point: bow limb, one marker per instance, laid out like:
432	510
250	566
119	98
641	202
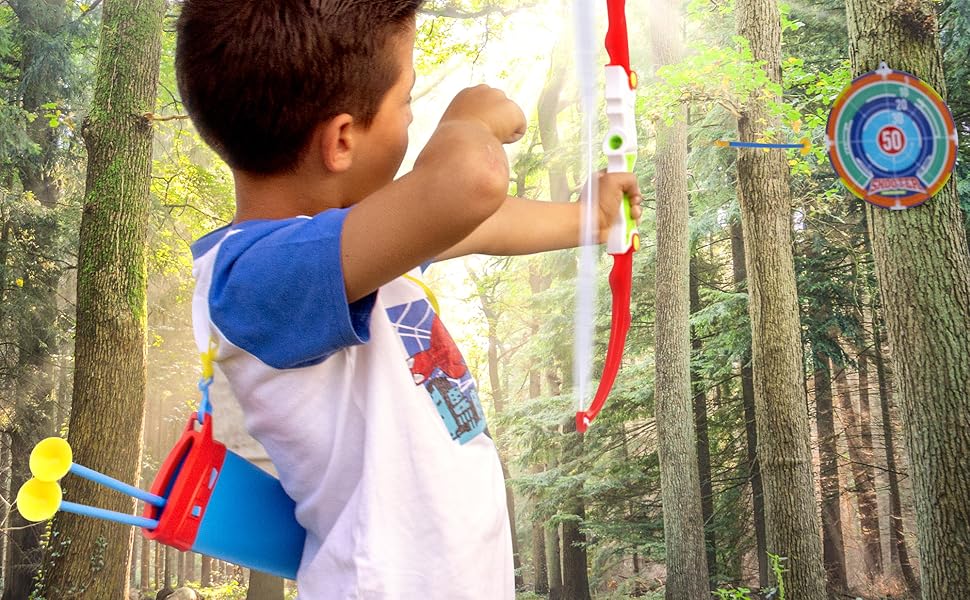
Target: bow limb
621	278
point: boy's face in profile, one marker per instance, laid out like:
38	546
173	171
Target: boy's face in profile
383	145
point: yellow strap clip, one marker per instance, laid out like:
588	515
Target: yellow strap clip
208	358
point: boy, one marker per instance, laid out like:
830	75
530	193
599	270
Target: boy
329	342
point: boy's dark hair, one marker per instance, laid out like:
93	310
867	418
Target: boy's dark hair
257	76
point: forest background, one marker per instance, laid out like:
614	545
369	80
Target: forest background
589	512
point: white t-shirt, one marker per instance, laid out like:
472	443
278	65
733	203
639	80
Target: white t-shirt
367	411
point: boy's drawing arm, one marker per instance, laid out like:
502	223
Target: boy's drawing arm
522	226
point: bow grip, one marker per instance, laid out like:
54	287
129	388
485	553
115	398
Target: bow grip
620	148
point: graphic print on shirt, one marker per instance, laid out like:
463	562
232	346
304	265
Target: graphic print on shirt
436	363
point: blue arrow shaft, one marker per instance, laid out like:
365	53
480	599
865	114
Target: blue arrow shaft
111	482
108	515
762	145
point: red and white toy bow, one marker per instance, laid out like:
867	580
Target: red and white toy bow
620	148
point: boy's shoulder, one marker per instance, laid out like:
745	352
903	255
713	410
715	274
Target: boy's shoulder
277	235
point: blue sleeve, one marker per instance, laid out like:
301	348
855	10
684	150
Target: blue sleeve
278	291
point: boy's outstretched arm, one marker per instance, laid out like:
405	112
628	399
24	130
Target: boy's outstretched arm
459	180
522	226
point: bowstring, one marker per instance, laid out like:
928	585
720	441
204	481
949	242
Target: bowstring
585	45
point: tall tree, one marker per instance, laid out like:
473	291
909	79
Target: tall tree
833	546
44	63
263	586
898	548
686	557
739	277
88	559
860	465
703	438
783	430
923	267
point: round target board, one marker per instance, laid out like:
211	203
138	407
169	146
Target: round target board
891	139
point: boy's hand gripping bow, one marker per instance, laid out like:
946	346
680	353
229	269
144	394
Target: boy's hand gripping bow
620	148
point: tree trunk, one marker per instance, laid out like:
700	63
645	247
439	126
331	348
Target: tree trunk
870	521
264	587
540	572
676	439
157	569
783	429
898	548
750	421
575	579
553	535
703	439
923	267
146	563
109	382
833	546
170	557
554	562
205	577
865	486
540	584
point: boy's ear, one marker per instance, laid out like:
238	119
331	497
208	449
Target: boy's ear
335	140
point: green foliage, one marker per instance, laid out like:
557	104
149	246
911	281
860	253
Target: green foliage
776	564
709	76
233	590
776	592
740	593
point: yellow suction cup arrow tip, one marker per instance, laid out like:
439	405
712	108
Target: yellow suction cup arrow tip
806	146
51	459
38	500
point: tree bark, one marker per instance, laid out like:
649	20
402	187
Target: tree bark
264	587
575	578
750	422
833	546
157	568
146	563
540	579
783	429
923	267
170	557
870	521
686	556
205	577
554	562
703	440
865	486
898	548
109	383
